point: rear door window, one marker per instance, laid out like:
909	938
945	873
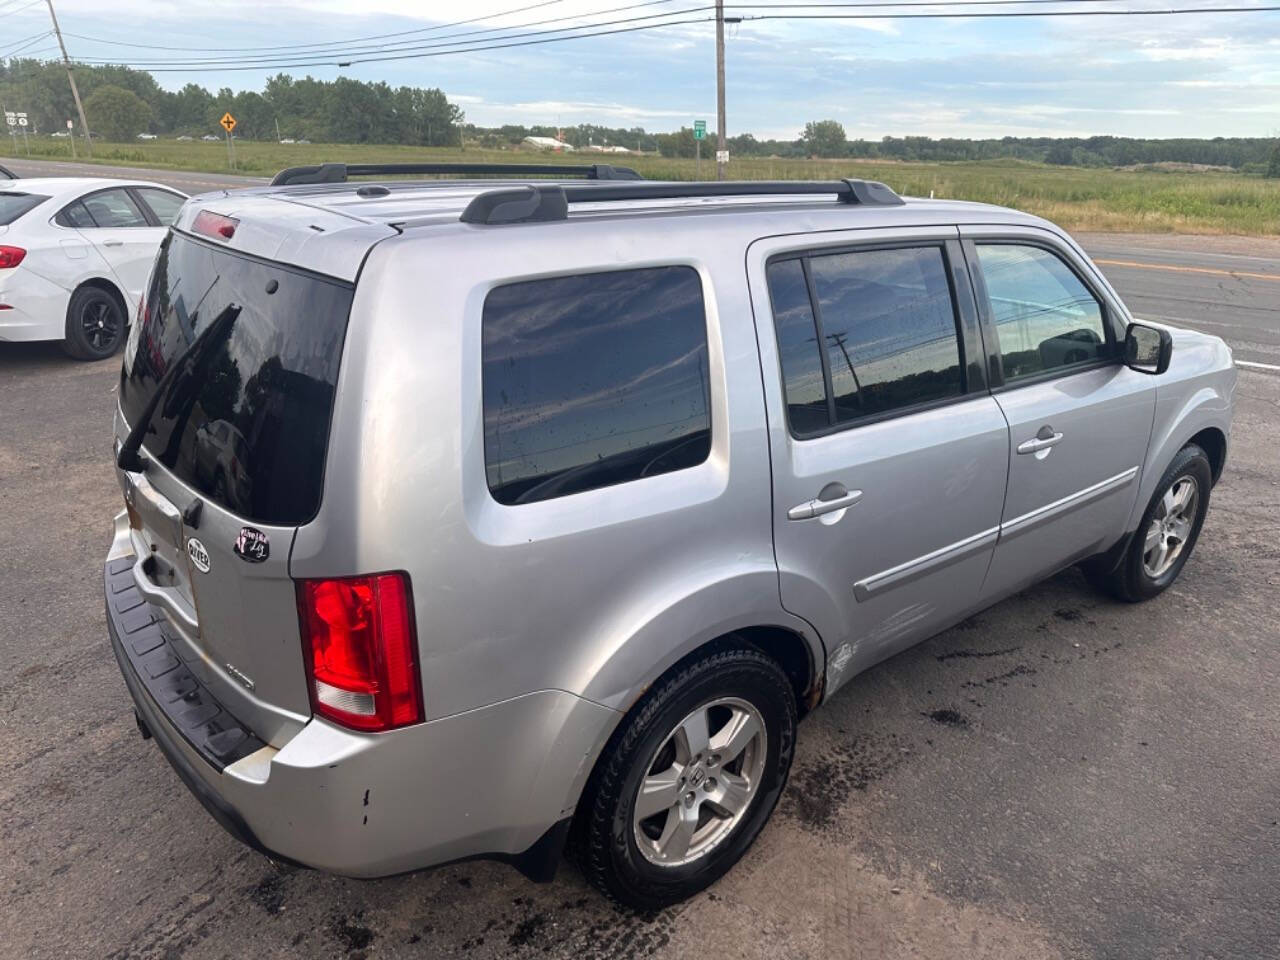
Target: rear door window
871	332
1045	317
593	380
74	215
115	209
14	205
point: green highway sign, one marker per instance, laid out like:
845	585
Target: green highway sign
699	129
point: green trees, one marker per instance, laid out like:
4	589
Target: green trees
824	138
1273	165
117	113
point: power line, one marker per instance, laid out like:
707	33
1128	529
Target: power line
442	26
288	60
1164	12
444	53
12	11
23	43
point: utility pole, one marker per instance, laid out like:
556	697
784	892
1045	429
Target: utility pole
75	92
720	147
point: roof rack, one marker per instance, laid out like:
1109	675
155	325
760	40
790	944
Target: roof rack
341	172
534	202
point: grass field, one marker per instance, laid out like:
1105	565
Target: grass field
1077	198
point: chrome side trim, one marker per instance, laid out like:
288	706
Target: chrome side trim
1052	511
922	566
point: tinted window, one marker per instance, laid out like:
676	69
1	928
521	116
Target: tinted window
889	329
163	204
14	205
593	380
114	208
248	377
798	347
75	216
1045	316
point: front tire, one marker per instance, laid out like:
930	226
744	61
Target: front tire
96	324
688	780
1167	534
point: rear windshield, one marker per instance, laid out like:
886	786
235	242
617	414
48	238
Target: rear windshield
14	205
255	347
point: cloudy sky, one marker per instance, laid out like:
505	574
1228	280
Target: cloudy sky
1200	75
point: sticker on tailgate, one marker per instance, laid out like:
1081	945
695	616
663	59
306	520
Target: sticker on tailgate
252	545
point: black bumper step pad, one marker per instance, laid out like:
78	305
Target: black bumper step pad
148	646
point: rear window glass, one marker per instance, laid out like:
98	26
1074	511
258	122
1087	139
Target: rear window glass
14	205
246	354
593	380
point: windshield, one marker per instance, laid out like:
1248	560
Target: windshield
13	205
251	350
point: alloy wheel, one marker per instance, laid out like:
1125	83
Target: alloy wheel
700	782
1170	527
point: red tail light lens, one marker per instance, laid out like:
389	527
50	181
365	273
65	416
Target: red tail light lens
210	224
11	256
361	649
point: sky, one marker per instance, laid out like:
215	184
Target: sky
1201	75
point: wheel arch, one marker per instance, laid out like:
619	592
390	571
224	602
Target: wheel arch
109	287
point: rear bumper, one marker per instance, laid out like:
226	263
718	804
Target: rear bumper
37	307
499	782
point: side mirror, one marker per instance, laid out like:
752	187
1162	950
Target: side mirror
1147	349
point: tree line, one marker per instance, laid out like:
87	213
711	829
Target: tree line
122	102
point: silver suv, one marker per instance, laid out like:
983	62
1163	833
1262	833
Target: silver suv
545	509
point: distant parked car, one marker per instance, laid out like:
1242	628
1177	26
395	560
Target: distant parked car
146	136
210	136
74	258
62	134
304	140
288	140
184	138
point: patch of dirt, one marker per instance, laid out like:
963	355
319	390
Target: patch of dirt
819	788
949	718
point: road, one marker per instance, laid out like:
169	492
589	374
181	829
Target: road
1226	286
1059	777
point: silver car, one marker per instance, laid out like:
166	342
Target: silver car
563	501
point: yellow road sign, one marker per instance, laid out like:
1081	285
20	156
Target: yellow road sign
228	122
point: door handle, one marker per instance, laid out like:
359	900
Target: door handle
819	506
113	243
1042	441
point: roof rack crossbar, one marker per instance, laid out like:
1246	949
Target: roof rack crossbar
341	172
550	201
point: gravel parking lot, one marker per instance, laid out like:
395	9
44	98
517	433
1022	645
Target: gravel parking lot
1060	776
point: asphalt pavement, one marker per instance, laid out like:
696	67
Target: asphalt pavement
1060	776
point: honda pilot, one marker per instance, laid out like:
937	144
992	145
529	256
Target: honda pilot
499	517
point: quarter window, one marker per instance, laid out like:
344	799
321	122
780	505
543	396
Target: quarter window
163	204
886	322
1045	317
593	380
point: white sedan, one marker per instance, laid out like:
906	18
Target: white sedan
75	254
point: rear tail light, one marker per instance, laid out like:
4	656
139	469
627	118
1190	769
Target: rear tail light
360	645
210	224
11	256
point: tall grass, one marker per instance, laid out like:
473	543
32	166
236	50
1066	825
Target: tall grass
1075	197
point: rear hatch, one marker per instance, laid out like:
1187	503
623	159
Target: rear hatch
235	358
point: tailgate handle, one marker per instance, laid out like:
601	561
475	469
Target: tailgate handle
166	597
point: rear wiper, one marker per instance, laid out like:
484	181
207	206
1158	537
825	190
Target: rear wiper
186	362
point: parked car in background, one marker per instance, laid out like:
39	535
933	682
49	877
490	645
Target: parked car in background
75	253
210	137
563	502
60	134
146	136
184	138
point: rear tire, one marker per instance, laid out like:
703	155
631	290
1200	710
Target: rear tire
1166	535
720	799
96	324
